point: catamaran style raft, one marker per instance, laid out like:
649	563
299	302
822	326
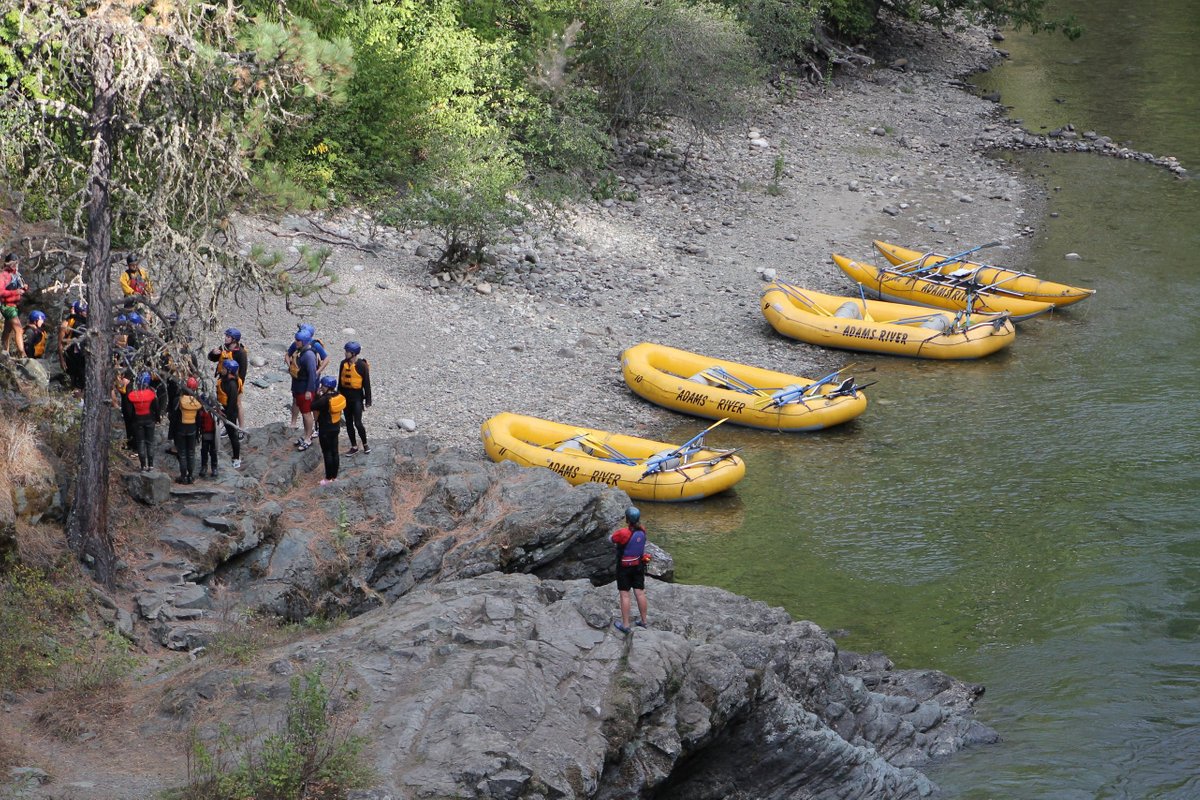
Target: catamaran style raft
986	275
750	396
934	290
643	469
876	326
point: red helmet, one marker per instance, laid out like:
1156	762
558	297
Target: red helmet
193	384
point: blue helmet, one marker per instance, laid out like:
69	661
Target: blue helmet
230	365
234	333
135	318
303	337
79	307
329	382
632	515
353	347
37	316
307	328
144	379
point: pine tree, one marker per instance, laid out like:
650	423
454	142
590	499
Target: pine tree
135	124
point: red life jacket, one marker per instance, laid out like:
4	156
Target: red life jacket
142	400
207	424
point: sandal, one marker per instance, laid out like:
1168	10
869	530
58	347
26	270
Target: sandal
617	624
300	448
641	623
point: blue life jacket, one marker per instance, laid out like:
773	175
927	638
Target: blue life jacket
631	554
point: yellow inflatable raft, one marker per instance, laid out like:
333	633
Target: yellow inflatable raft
643	469
757	398
984	275
876	326
937	291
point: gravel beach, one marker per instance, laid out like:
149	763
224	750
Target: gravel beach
678	257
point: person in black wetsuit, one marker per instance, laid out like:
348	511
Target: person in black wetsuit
354	383
328	406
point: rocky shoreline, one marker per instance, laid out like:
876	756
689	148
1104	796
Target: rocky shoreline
479	658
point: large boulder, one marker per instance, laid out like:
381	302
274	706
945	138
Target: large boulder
413	514
514	687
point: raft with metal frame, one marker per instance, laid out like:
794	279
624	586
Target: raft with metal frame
985	275
935	290
877	326
642	468
745	395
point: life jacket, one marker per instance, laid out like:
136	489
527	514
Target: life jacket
142	400
137	281
222	397
351	377
631	552
228	353
73	321
11	288
35	342
189	407
294	367
205	420
337	404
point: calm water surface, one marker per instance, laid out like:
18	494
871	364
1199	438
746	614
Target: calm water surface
1030	522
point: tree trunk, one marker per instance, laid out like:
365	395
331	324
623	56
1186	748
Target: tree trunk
87	527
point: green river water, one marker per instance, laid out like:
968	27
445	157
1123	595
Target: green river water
1031	521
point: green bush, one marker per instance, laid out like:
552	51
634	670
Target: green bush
854	20
782	29
311	755
35	617
468	197
690	61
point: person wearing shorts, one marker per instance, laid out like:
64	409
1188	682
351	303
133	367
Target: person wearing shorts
303	368
631	568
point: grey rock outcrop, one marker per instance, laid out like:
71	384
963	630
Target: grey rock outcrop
481	653
409	514
508	686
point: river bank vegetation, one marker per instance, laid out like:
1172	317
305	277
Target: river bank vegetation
461	113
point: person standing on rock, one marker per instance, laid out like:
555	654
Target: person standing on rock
135	283
631	567
36	335
72	347
145	417
303	367
354	383
328	405
12	289
207	427
233	348
229	389
186	430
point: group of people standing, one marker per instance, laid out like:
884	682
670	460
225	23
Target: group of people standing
157	377
321	402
